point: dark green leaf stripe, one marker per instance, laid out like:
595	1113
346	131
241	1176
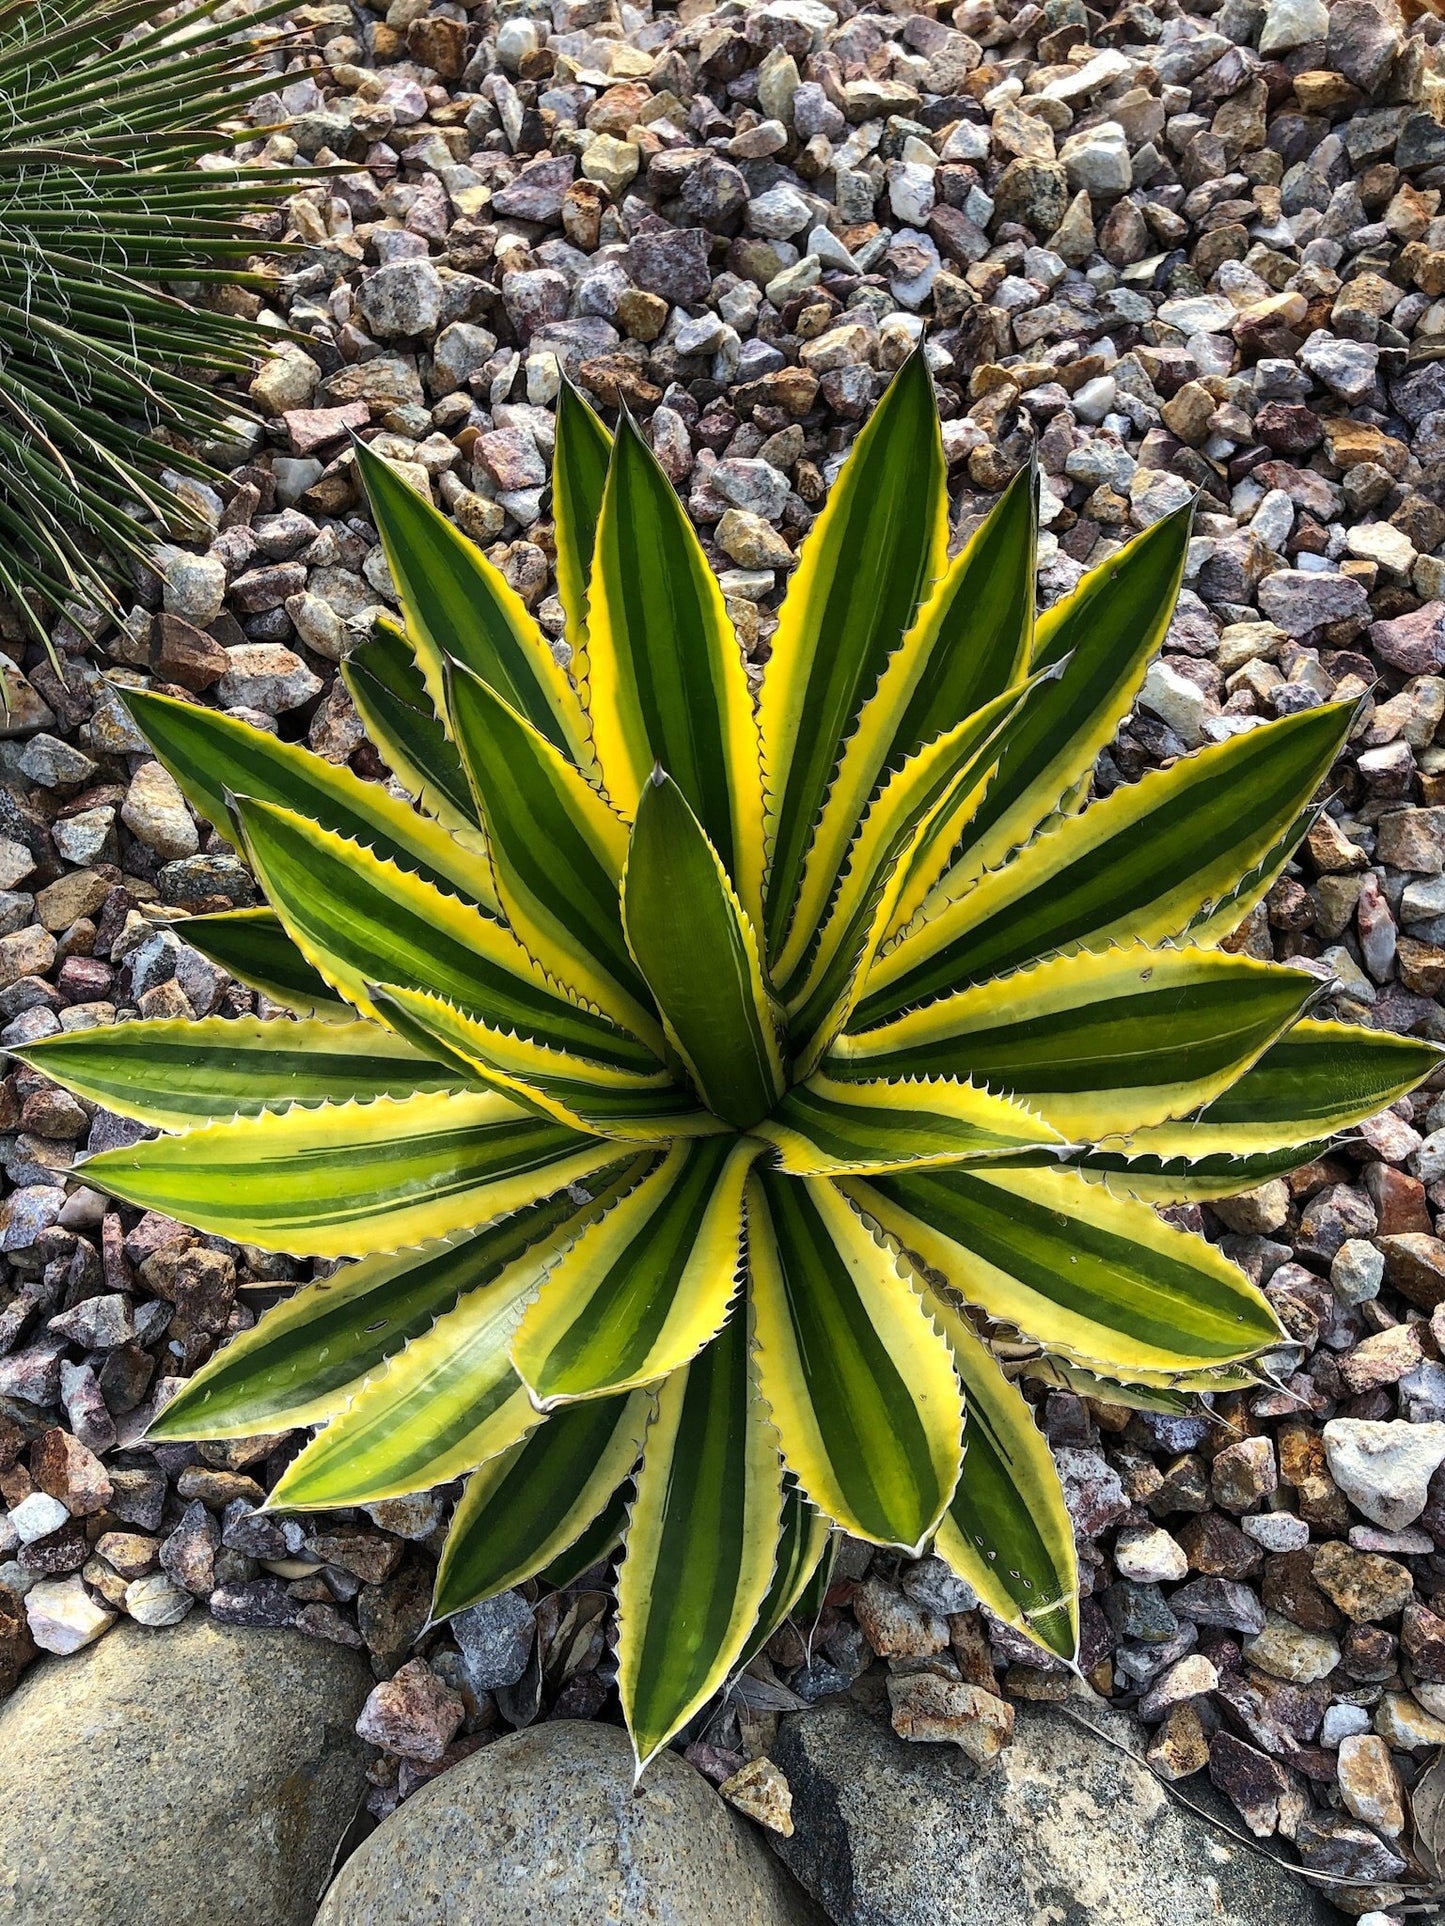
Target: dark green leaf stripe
860	1385
893	840
701	1541
361	922
458	605
648	1285
979	623
598	1541
175	1074
867	564
1105	633
215	758
1141	863
334	1182
803	1538
1098	1044
822	1125
1008	1532
558	849
1181	1180
297	1365
1072	1267
253	945
588	1096
529	1506
391	698
698	956
664	679
1319	1078
579	477
445	1404
969	645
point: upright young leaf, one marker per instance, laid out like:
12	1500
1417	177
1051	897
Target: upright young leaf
971	641
1105	633
558	851
700	1542
579	477
457	604
1137	866
698	955
869	560
859	1382
663	677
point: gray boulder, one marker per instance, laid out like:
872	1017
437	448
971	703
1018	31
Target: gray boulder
544	1826
1063	1828
161	1778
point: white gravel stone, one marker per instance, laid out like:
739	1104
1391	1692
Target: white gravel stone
1384	1468
63	1616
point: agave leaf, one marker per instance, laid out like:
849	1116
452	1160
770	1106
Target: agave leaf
1105	633
361	921
698	955
348	1179
632	1107
558	851
1073	1267
1137	866
826	1128
870	559
859	1382
445	1404
253	945
700	1542
1007	1531
390	695
175	1074
214	757
647	1287
1094	1044
971	642
803	1538
459	605
896	855
307	1355
527	1507
579	478
663	676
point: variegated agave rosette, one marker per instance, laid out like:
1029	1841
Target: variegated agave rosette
711	1091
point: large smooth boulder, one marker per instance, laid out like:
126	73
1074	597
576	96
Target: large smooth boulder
161	1778
544	1829
1063	1829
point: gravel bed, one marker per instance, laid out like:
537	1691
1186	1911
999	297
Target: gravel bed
1168	252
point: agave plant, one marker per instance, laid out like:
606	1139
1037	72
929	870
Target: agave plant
713	1094
104	370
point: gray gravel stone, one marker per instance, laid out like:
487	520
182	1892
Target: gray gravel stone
545	1825
201	1773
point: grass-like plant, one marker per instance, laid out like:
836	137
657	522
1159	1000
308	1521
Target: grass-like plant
711	1091
105	367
